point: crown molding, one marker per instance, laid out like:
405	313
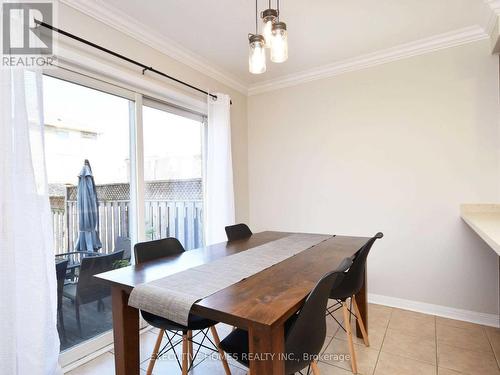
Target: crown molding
122	22
419	47
493	8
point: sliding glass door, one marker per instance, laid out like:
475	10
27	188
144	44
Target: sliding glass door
86	131
142	160
173	171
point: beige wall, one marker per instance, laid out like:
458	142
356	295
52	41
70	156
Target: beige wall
393	148
84	26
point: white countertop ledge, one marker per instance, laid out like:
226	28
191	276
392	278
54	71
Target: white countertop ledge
484	219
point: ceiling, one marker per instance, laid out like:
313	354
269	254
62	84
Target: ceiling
320	31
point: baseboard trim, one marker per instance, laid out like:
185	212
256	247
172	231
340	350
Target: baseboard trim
491	320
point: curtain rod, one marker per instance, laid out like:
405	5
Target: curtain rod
120	56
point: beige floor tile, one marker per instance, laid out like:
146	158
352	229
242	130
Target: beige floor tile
326	343
375	336
147	342
466	361
458	324
413	324
465	338
208	366
374	308
391	364
332	326
379	316
337	354
445	371
413	347
407	314
379	322
212	366
326	369
206	361
104	364
493	335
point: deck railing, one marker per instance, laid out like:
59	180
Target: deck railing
164	218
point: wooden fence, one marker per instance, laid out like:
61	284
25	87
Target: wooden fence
164	218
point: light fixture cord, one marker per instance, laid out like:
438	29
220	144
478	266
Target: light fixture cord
278	6
256	22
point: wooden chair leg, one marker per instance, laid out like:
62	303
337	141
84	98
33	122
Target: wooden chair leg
154	355
184	354
190	348
347	324
315	368
215	335
360	321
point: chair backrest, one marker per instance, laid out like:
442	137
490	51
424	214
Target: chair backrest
90	288
61	268
151	250
123	243
306	331
238	232
355	276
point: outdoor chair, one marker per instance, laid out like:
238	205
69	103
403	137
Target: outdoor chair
74	259
123	243
61	267
88	288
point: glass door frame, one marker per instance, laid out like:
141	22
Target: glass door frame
100	344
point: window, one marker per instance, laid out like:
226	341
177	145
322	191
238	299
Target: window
173	171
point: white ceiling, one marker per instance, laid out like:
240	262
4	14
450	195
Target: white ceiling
320	31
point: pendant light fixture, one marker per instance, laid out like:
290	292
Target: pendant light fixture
274	36
268	16
257	50
279	40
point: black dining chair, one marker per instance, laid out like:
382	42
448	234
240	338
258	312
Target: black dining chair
197	326
305	331
351	284
88	288
238	232
61	267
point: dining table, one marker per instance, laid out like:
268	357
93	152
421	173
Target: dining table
260	304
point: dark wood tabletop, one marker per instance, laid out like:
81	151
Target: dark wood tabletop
261	303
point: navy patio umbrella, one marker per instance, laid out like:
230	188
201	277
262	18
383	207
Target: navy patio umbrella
88	213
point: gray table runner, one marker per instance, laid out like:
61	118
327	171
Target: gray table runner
173	296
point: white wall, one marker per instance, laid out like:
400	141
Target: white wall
394	148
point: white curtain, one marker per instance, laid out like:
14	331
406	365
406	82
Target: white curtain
29	343
219	191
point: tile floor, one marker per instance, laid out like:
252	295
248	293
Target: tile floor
402	343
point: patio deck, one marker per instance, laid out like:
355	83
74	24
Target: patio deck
94	322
